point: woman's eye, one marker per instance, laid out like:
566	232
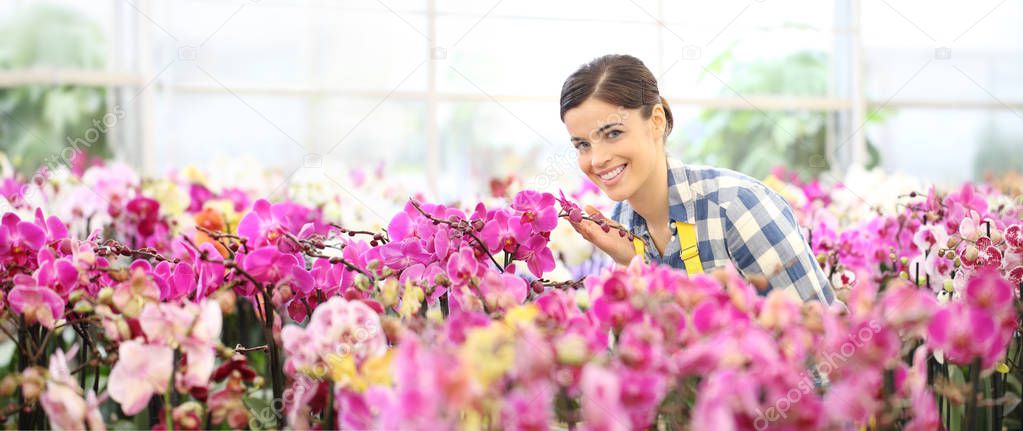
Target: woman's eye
582	145
613	134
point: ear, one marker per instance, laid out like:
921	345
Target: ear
658	120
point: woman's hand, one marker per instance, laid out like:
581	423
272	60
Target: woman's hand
619	248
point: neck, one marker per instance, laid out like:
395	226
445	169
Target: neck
651	199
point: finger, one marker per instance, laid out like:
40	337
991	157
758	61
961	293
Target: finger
595	213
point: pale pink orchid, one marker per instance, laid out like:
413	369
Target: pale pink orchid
141	371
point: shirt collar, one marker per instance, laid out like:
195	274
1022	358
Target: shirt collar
680	194
680	198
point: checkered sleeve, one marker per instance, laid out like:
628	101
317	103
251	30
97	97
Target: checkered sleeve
763	238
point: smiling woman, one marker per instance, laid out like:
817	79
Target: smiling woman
694	218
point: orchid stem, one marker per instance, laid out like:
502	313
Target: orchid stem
276	378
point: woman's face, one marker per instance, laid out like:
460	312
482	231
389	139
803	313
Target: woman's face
618	149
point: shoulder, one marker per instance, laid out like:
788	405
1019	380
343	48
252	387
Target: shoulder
744	201
727	187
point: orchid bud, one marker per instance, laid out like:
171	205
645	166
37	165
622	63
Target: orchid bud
106	295
361	282
8	385
971	253
953	241
582	299
32	383
82	307
537	286
996	236
418	295
947	285
575	215
123	329
75	296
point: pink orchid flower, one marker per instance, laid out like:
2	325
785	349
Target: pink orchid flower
964	332
537	210
38	304
141	371
502	291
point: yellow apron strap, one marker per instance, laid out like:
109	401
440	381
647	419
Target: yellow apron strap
687	239
690	254
637	244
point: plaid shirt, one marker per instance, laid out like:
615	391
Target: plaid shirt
737	219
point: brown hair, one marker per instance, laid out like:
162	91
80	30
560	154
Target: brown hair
618	79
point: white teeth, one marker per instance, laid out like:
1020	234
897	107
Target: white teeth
610	175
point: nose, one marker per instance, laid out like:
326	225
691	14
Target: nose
599	159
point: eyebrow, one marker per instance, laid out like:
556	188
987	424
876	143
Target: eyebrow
606	126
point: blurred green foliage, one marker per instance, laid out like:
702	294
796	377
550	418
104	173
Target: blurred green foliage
753	141
999	153
38	122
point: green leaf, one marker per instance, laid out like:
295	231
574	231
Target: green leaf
261	410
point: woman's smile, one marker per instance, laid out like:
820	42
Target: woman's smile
612	176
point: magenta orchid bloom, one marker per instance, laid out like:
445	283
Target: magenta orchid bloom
964	332
13	190
330	279
538	257
206	275
537	210
505	232
144	214
61	274
20	240
38	304
199	194
908	308
266	224
268	265
463	266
